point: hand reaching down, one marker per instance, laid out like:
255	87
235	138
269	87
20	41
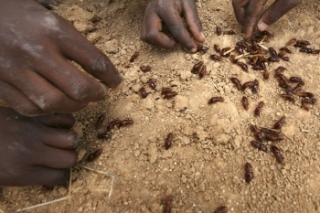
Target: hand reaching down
36	75
250	14
36	150
170	12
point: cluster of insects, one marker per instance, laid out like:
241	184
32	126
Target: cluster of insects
106	135
290	93
254	53
262	134
200	69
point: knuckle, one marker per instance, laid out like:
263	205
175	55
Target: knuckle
49	102
175	31
151	36
28	110
196	22
100	64
80	90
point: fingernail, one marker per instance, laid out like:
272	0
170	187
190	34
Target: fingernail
202	35
194	50
262	26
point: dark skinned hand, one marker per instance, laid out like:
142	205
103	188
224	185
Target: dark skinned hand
169	12
36	75
36	150
249	13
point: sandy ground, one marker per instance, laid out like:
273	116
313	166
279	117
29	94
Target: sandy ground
204	168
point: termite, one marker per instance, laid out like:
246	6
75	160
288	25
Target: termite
258	110
196	67
218	30
167	204
126	122
243	66
274	137
249	84
94	155
145	68
134	57
202	48
236	82
306	50
255	86
112	124
100	120
168	141
221	209
266	74
291	42
277	153
288	96
279	123
165	90
285	49
151	84
170	95
306	94
259	146
248	172
216	48
215	57
257	133
215	100
203	71
280	70
143	93
245	102
229	32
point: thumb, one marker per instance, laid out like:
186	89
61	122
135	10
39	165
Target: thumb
275	12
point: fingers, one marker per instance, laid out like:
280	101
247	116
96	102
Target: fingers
239	10
44	176
60	138
179	32
42	93
56	158
252	14
18	100
74	83
151	31
276	11
77	48
193	21
57	120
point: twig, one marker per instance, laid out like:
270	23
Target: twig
112	176
262	46
229	51
43	204
241	56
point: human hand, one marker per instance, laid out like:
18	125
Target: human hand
170	12
36	150
36	75
249	13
